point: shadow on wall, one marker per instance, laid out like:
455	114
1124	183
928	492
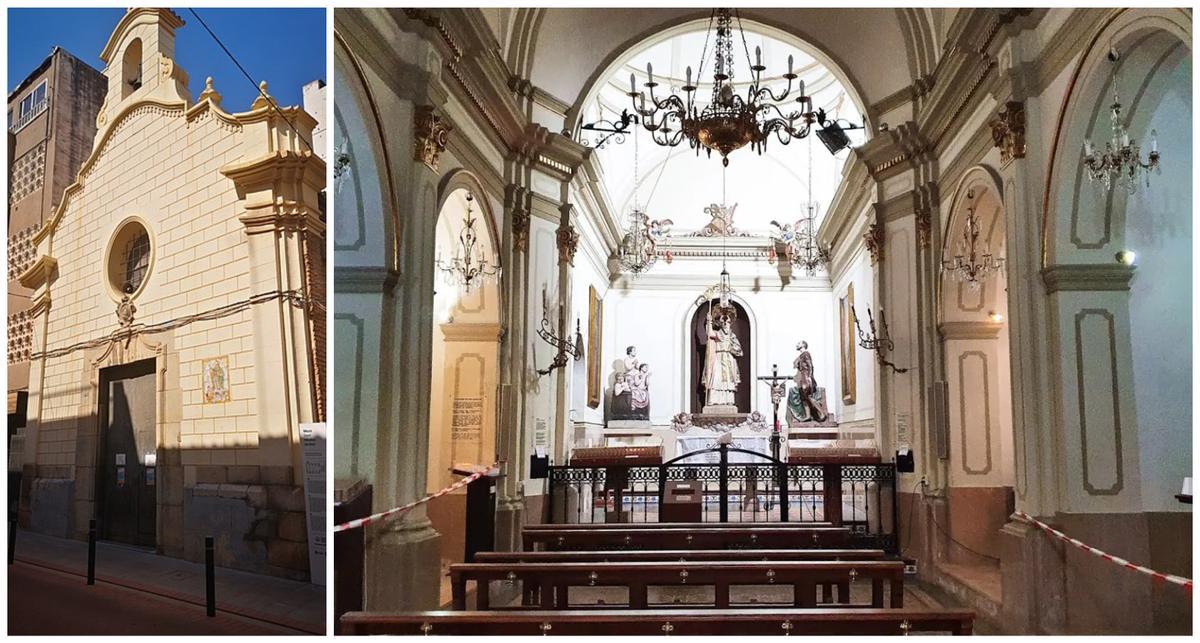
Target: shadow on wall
256	513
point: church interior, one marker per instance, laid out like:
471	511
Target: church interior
703	321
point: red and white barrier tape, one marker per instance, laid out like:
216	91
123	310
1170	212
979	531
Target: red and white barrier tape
1170	578
384	515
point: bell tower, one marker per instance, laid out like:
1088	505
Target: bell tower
140	62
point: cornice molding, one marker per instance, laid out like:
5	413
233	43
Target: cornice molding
471	332
1087	277
970	330
41	272
364	279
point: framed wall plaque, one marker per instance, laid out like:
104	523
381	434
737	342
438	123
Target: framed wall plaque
595	330
848	342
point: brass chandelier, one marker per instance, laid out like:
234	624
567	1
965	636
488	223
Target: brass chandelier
729	122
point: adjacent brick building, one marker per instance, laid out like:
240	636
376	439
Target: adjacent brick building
174	290
51	126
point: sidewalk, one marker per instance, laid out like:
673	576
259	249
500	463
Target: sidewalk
295	605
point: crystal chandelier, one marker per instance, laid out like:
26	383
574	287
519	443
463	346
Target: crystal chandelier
470	265
638	251
971	264
730	122
1121	162
801	246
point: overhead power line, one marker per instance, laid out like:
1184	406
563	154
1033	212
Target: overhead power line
269	99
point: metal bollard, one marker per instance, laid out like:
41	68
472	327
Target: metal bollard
91	577
12	540
210	584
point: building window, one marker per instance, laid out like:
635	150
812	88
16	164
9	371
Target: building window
137	260
129	258
31	106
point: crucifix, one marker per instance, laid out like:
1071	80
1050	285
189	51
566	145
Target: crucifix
778	389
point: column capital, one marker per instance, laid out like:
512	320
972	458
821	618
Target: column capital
1008	131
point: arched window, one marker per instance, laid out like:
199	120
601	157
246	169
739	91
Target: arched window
131	68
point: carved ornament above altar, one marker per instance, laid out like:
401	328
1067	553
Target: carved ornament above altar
430	135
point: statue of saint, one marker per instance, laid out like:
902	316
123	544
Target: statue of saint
806	401
639	389
721	376
631	360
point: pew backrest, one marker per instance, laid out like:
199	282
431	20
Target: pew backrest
827	621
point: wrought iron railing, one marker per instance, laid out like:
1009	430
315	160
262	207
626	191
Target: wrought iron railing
762	490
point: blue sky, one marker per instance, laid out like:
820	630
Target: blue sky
287	55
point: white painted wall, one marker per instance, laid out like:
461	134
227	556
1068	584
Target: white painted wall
654	313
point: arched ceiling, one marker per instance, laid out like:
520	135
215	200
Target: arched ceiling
572	47
675	183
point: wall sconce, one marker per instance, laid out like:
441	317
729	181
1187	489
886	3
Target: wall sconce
995	317
566	347
876	340
1126	257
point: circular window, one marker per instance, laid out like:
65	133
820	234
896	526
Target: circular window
129	258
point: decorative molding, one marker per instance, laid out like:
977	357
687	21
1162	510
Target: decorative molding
355	428
924	227
1008	131
364	279
962	412
42	271
969	330
1085	277
520	226
1118	456
568	242
471	332
430	134
874	238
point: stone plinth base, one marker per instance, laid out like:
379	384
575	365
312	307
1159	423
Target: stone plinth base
402	567
719	410
628	424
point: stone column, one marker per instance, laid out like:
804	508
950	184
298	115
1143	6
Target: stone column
1031	569
398	60
509	446
568	242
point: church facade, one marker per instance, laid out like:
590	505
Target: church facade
176	295
974	310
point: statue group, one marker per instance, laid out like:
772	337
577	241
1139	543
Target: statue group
631	389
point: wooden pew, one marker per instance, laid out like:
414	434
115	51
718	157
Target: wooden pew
673	525
554	579
621	556
664	537
687	622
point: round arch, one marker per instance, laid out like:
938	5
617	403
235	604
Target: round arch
1090	81
353	84
747	364
985	184
463	179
